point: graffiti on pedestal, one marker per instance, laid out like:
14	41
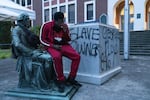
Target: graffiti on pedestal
109	48
98	42
85	40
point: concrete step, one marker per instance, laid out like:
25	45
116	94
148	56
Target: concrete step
139	42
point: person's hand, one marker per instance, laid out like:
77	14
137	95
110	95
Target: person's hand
64	27
57	47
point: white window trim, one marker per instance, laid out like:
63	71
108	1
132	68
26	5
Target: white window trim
85	9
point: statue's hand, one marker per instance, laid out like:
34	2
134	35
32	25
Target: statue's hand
35	53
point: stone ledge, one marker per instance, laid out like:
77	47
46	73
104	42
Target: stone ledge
37	94
97	79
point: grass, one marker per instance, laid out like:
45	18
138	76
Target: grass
5	53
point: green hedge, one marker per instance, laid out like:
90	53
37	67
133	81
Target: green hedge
5	33
36	30
5	53
5	37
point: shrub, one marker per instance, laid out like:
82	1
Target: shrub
36	30
5	34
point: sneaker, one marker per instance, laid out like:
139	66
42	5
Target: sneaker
60	85
71	81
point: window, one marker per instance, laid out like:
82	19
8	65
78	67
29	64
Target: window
23	2
149	20
131	22
89	13
103	19
63	9
54	10
122	22
28	2
46	15
71	13
18	1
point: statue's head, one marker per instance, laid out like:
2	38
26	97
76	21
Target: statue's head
24	20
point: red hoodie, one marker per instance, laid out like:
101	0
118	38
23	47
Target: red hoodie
47	34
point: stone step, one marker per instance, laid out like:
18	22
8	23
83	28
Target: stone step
135	53
139	43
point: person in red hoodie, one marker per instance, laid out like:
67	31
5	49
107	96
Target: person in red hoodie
54	35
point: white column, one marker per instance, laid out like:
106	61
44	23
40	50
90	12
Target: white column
139	8
126	30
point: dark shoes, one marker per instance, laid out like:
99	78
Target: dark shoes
69	82
72	81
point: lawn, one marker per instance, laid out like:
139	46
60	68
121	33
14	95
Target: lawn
5	53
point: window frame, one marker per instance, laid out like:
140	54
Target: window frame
74	13
85	10
52	14
64	11
45	19
29	3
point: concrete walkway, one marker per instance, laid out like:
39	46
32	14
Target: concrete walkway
133	83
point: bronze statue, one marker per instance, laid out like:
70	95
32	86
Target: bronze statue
34	65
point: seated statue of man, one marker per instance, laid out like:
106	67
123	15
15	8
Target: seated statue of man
34	65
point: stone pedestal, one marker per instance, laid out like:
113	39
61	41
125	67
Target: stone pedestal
43	94
98	46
